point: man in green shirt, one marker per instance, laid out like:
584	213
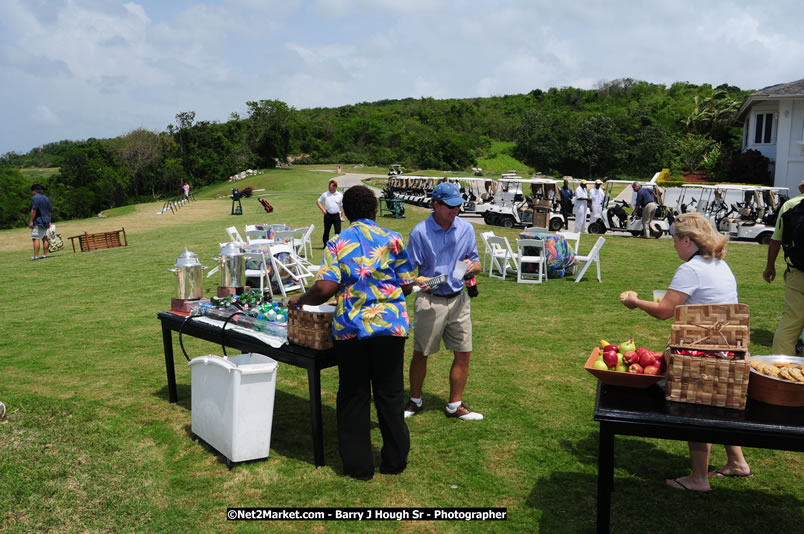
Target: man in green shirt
792	321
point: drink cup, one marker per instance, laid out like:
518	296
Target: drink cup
658	294
460	270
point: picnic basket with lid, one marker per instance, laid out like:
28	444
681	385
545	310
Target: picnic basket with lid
711	381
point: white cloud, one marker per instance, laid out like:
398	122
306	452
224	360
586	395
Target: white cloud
44	116
100	68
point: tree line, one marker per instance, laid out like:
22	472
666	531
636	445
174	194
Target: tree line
621	128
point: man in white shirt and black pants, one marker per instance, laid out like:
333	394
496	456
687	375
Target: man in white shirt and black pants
331	205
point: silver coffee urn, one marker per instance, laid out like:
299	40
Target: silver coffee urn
188	270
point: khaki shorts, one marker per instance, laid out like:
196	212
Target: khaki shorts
436	318
38	232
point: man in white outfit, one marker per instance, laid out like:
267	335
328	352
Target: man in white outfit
581	204
597	195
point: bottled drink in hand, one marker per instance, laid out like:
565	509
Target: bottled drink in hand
471	284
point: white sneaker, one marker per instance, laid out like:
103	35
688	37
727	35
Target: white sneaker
412	409
464	413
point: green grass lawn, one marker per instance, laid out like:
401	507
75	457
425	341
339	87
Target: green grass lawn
90	442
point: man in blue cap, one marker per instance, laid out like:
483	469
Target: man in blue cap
435	246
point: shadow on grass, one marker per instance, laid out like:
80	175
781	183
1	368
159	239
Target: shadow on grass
568	503
761	336
641	501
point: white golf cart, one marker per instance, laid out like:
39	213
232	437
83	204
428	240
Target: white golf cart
743	212
512	207
632	224
395	169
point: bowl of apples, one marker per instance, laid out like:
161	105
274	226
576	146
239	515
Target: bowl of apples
626	365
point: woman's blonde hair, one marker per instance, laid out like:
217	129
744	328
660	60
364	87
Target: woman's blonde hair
710	242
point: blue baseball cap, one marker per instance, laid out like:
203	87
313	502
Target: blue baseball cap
448	193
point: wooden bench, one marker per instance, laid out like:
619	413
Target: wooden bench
100	240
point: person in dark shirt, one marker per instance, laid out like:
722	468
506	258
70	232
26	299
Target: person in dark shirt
647	204
40	221
565	201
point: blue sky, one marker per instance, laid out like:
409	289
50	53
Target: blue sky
73	69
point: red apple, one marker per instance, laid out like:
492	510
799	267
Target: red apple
659	356
610	357
630	357
652	370
641	350
611	347
647	358
635	368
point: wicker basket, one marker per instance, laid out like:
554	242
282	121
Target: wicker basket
711	327
711	381
310	329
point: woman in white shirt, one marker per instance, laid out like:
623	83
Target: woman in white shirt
704	278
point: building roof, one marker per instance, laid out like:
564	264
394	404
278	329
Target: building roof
781	91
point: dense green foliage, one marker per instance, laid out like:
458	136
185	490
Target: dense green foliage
623	128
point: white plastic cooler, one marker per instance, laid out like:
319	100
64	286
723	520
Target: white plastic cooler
233	404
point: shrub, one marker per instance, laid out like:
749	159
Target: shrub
750	167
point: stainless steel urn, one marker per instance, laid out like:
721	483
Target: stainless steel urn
232	263
188	270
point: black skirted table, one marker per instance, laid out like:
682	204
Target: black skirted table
646	413
312	360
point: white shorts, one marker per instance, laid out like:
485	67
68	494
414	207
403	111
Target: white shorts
38	232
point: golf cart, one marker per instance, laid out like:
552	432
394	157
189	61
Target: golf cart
512	207
743	212
477	193
633	223
395	169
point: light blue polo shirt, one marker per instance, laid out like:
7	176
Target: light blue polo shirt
436	251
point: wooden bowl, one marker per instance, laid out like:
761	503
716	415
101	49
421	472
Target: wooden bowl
616	378
775	390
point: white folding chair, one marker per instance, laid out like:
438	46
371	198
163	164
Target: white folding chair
298	241
253	234
257	267
289	273
234	235
592	257
486	247
573	238
535	256
308	241
501	255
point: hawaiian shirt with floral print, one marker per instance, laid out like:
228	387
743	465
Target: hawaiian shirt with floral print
369	263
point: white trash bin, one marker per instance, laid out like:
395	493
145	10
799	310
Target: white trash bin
233	404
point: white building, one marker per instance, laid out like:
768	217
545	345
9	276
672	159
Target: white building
773	123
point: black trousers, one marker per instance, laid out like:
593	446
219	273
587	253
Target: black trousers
330	220
365	365
566	211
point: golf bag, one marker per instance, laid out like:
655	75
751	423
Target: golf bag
54	239
266	205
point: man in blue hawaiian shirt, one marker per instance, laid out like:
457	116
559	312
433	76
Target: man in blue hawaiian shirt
368	270
435	246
